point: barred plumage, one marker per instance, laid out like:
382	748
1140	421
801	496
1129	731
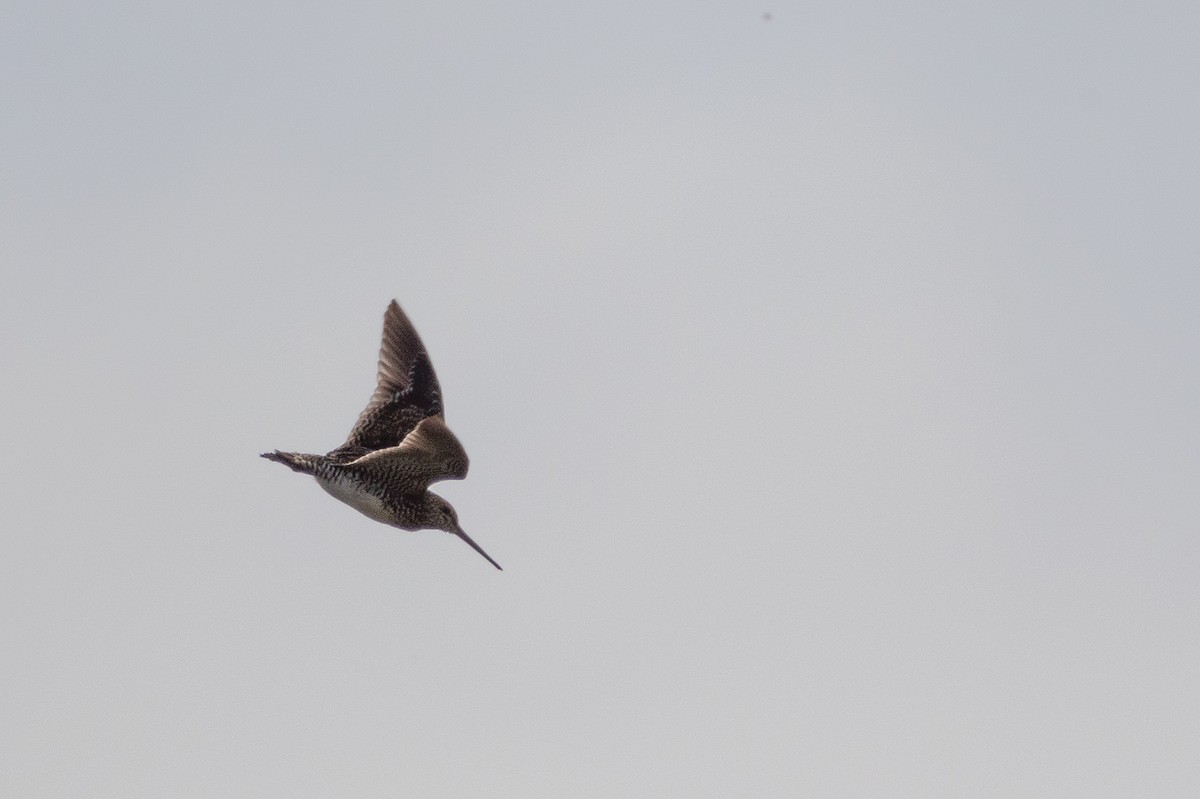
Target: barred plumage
399	445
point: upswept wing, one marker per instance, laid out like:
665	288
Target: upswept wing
406	392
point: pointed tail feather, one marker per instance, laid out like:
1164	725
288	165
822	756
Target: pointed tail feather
296	461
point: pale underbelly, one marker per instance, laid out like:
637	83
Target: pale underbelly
351	492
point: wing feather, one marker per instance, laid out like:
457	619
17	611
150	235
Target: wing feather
406	391
431	452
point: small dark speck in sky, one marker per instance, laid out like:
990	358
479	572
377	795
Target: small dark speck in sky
767	16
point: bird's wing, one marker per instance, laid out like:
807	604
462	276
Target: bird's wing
426	455
406	391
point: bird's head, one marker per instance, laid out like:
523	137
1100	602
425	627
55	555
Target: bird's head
440	515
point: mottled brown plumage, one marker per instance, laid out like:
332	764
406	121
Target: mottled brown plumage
399	445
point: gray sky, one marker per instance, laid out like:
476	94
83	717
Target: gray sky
830	385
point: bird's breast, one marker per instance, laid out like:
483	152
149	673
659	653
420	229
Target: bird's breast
356	495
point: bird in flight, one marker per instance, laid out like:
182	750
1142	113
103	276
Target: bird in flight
399	445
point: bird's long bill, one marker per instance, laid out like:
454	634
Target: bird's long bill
459	532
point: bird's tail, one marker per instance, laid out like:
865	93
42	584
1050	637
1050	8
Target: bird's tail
296	461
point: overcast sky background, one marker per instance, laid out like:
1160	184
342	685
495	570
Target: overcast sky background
830	383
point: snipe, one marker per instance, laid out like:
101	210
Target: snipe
399	445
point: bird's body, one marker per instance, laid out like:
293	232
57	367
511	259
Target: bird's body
399	445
